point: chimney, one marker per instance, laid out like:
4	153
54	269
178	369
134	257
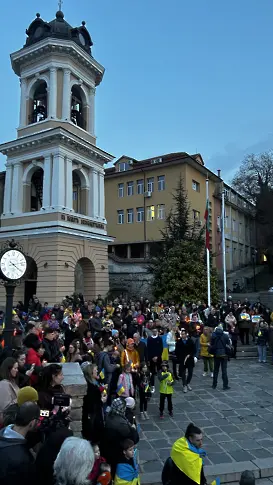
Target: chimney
219	173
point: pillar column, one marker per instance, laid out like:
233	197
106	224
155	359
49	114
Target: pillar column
68	184
47	182
26	197
17	195
23	104
53	93
93	195
66	106
128	251
92	111
58	175
7	191
101	195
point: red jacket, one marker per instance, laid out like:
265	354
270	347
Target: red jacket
33	358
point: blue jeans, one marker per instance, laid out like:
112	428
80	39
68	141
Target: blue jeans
262	353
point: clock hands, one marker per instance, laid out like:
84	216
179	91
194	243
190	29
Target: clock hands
14	265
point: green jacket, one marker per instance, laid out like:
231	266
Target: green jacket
164	378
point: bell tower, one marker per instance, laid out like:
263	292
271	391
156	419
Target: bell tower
54	182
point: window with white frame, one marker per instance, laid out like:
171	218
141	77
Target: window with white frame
123	166
120	216
151	213
140	214
130	216
121	190
195	186
161	182
130	188
150	184
140	186
161	211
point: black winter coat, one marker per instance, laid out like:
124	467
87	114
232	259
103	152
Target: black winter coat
47	455
171	475
52	352
16	462
92	417
183	349
117	429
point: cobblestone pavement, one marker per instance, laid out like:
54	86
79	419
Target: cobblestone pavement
237	424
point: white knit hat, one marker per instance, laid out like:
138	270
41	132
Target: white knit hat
130	402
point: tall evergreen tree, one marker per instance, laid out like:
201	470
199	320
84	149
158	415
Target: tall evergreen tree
179	267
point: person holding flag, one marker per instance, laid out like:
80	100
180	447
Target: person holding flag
105	367
125	382
144	390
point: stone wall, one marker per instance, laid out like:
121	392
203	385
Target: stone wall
129	278
75	385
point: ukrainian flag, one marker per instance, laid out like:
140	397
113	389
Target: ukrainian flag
126	474
101	374
188	462
120	390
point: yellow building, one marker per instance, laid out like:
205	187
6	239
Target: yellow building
138	196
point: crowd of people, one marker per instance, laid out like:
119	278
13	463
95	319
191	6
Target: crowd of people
122	347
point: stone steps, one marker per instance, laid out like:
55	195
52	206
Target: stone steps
246	352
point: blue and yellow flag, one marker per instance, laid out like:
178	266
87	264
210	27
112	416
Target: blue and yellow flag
120	390
101	374
186	460
126	474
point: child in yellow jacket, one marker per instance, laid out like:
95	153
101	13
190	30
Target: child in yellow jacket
165	389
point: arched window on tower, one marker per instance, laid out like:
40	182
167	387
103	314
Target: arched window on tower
38	111
36	190
76	192
77	108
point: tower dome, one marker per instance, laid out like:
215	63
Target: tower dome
60	29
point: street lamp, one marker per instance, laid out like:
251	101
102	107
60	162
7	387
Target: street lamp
254	257
13	265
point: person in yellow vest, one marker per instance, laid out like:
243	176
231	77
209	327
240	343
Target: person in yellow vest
165	388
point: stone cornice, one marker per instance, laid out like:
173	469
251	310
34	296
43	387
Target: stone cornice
56	46
53	137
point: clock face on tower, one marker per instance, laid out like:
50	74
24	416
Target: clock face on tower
13	264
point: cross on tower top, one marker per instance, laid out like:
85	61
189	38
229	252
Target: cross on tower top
60	4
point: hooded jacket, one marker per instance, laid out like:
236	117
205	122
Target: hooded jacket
16	461
219	341
130	355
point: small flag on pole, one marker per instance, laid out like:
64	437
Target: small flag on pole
206	217
146	388
120	390
101	374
